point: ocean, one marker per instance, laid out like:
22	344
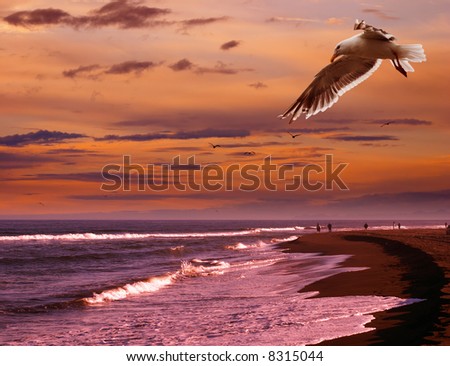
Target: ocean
173	283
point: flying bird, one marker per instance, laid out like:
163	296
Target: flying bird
353	61
214	146
249	153
294	136
386	123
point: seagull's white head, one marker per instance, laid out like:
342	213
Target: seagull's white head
342	48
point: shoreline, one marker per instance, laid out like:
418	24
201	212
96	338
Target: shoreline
407	263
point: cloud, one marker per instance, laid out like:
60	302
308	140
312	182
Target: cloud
95	71
122	197
41	137
403	121
81	71
362	138
292	19
339	121
183	64
196	22
38	17
140	122
317	130
121	13
229	45
391	199
19	161
379	13
258	85
74	153
81	177
220	68
335	21
181	135
129	67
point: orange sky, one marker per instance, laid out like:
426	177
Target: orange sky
86	82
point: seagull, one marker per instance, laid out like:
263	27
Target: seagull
294	136
214	146
249	153
386	123
353	61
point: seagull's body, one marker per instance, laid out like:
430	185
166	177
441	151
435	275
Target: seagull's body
214	146
294	136
353	61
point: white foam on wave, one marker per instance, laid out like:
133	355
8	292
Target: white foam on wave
278	229
123	236
131	236
154	284
281	240
178	248
242	246
237	246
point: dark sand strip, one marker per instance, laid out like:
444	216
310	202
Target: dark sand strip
403	263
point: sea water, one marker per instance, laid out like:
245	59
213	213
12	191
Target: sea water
172	283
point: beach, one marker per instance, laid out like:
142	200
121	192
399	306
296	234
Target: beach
406	263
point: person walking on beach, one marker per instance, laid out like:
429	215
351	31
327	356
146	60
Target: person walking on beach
318	228
399	226
329	227
366	226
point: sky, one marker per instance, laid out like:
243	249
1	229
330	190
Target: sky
89	84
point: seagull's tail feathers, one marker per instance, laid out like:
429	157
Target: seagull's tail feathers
411	52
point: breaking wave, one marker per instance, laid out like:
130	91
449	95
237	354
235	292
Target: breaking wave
153	284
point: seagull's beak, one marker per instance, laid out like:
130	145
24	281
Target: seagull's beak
333	57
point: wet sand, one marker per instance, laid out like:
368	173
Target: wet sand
402	263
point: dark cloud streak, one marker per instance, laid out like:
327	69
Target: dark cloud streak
129	67
124	14
182	65
403	121
229	45
41	137
361	138
219	68
73	73
95	71
181	135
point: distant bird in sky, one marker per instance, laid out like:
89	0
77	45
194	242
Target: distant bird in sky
353	61
386	123
41	203
294	136
249	153
214	146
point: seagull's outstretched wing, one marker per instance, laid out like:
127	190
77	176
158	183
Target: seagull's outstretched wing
330	83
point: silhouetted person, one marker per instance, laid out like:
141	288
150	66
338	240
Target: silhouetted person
399	226
329	227
366	226
318	228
